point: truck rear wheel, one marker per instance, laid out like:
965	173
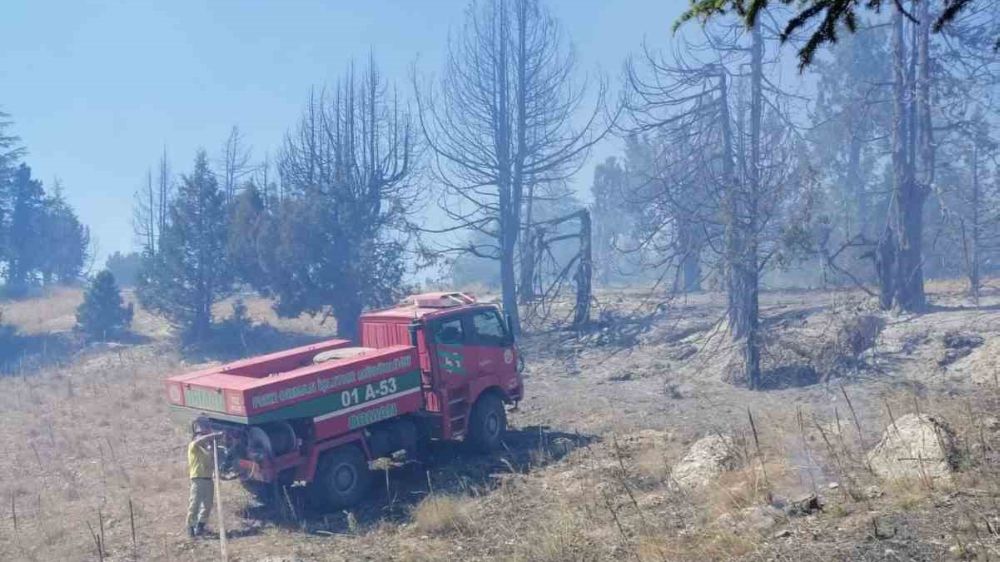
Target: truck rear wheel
342	478
487	424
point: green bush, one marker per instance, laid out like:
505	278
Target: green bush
103	315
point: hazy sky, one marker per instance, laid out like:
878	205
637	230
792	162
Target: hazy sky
98	88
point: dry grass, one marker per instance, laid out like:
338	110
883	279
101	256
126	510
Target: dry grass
560	533
83	439
262	311
54	311
708	544
97	435
444	515
749	486
653	464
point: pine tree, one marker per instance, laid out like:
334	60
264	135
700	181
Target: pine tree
41	238
247	220
190	271
103	315
27	205
62	241
10	154
610	221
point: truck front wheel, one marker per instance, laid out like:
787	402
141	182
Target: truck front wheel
487	424
342	478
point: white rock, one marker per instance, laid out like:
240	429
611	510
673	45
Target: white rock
705	461
915	447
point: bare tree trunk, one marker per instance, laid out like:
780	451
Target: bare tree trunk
347	312
151	225
690	249
910	282
508	283
144	217
531	255
692	272
856	185
740	257
730	211
163	193
973	253
584	274
885	267
510	198
527	266
749	270
908	286
925	148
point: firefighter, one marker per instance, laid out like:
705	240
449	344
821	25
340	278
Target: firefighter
201	469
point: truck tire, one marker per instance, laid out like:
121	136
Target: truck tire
342	477
487	424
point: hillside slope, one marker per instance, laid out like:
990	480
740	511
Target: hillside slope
587	471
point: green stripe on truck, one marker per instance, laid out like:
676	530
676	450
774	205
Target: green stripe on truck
327	405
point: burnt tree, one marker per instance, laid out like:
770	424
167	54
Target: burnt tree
503	123
711	174
551	275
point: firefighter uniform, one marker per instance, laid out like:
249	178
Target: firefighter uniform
201	466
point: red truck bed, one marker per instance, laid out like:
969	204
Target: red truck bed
339	394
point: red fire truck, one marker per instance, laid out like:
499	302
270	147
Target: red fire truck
440	366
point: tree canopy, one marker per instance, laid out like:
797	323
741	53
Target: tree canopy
821	18
190	271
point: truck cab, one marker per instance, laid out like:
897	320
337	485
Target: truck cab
468	360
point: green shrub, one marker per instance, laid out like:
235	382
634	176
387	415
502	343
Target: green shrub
103	315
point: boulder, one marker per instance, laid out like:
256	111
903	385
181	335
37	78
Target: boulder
705	461
916	446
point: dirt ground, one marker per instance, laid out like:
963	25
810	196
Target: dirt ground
90	450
